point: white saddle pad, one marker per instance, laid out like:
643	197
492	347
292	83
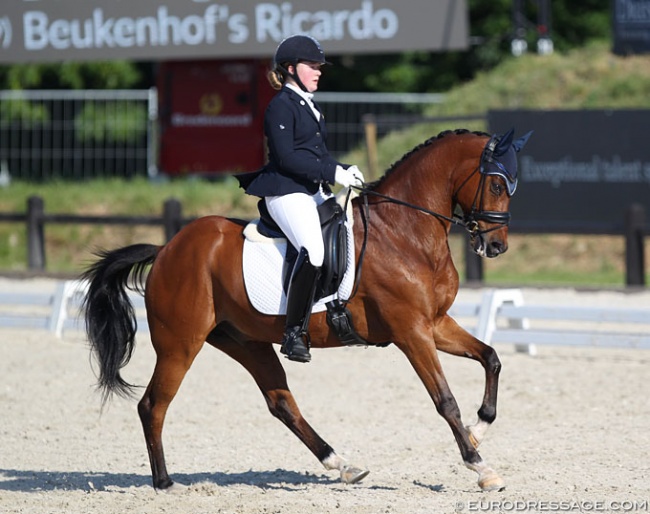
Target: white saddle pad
263	259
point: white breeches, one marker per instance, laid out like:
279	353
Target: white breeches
297	215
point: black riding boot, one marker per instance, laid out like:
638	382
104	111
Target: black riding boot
300	299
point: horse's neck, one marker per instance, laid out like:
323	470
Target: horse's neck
423	181
428	179
409	224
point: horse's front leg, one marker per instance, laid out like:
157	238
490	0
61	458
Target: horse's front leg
422	354
455	340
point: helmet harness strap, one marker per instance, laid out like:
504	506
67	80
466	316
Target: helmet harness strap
294	75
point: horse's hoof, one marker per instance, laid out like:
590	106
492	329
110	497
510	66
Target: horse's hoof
175	488
352	474
491	482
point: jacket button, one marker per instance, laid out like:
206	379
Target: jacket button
317	134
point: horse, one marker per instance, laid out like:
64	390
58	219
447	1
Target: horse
194	293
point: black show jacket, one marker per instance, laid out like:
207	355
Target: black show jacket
298	157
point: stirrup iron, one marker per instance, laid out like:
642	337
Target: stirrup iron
339	319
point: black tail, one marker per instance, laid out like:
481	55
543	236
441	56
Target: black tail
110	318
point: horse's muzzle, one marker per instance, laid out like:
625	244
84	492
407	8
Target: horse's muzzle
495	248
488	246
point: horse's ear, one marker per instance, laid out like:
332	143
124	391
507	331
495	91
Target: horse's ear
521	142
504	142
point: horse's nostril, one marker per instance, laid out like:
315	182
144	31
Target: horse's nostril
497	247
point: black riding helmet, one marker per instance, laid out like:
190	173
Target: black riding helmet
295	49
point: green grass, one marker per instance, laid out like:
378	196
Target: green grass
69	247
137	196
587	78
555	260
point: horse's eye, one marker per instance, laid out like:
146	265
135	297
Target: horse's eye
496	188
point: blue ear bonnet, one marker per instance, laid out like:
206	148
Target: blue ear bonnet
500	158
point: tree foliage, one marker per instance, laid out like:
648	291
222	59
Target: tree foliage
573	24
73	75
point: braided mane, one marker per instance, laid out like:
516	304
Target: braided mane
419	147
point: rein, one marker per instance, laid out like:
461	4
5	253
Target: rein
456	220
468	221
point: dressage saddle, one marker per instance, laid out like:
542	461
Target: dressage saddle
332	219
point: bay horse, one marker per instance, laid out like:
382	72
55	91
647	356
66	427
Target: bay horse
194	293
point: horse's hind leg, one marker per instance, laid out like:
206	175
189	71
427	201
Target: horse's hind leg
172	363
453	339
261	361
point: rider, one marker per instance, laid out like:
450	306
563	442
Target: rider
298	175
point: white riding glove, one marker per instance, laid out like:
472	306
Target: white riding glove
350	177
357	174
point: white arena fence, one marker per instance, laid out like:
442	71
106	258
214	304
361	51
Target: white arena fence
56	312
500	316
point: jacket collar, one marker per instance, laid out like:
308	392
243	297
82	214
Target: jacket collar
304	94
304	99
